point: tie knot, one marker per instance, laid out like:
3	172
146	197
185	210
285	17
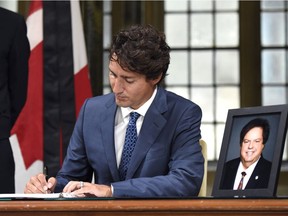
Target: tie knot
243	174
134	116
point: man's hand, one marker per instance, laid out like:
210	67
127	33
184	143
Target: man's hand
38	184
86	189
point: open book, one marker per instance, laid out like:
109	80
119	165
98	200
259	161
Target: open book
37	196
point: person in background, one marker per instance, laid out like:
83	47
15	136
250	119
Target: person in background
251	170
166	161
14	57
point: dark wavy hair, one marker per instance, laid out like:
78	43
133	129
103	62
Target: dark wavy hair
257	122
141	49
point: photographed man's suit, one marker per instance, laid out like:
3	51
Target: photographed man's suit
259	178
167	160
14	55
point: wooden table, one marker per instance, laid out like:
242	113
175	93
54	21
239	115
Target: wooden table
140	207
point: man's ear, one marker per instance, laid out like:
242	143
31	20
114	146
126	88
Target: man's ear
155	81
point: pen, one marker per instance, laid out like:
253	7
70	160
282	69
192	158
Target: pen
45	172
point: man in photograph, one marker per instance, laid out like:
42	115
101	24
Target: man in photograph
251	170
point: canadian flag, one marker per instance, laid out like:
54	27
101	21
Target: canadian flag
58	85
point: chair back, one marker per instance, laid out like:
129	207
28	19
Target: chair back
203	189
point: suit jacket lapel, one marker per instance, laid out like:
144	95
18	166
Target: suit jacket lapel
107	130
231	172
256	180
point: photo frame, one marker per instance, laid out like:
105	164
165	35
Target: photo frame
236	121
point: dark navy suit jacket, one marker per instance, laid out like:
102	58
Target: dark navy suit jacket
259	178
167	160
14	55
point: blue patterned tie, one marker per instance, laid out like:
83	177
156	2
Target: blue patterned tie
129	144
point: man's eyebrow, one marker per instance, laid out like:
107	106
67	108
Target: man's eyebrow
124	77
110	69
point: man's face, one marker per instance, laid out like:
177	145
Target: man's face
252	146
131	89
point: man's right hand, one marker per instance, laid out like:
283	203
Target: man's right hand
38	184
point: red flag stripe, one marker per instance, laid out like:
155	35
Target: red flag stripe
82	88
35	5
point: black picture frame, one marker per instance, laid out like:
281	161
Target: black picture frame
273	150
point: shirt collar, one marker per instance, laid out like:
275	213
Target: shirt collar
250	169
141	110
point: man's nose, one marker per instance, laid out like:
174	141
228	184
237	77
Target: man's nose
118	86
251	144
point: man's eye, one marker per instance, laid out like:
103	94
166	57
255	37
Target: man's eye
111	74
129	81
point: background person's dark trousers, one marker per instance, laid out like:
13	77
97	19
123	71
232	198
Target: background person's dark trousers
7	167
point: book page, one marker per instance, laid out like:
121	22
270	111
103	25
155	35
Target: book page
37	196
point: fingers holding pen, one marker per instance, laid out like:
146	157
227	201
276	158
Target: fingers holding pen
51	183
38	184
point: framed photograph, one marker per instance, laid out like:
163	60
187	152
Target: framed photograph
251	152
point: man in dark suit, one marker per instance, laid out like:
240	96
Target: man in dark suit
251	165
167	160
14	55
